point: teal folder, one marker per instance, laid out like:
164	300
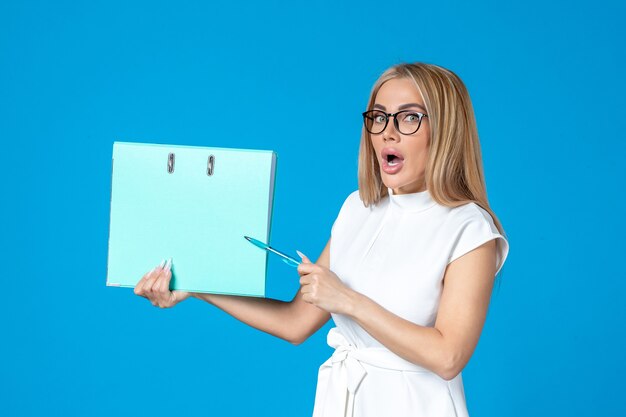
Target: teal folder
194	204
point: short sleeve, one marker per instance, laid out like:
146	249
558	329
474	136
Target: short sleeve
474	231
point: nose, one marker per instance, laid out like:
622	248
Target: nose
390	130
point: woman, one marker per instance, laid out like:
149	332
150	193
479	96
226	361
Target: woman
414	254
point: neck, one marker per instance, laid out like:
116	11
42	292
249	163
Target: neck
416	201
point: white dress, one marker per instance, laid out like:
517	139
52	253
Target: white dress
395	253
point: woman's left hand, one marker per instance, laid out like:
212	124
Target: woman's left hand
323	288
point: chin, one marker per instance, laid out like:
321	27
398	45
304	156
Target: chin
393	181
396	182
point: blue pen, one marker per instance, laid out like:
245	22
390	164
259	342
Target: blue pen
286	258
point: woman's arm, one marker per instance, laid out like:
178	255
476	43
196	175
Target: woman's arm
293	321
447	347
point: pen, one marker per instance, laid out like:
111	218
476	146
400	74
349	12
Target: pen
286	258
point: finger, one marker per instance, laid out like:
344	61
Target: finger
140	286
152	278
161	287
305	259
306	268
161	283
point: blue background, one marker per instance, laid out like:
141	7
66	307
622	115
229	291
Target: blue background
547	83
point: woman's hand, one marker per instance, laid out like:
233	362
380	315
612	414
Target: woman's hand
155	286
323	288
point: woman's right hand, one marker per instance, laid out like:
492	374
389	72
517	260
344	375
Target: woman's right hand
155	286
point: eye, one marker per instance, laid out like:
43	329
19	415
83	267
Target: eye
412	118
379	118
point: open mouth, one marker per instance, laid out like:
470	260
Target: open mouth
389	152
393	160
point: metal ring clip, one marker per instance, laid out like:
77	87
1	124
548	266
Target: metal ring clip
170	163
210	165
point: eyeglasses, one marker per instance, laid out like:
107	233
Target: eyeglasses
407	122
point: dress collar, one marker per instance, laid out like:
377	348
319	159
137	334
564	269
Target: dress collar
419	201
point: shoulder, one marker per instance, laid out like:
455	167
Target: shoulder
353	201
470	218
468	212
352	210
470	225
355	206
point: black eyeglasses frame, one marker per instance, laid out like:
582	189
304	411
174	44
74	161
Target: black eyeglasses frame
366	115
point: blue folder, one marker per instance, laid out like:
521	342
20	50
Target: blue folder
194	204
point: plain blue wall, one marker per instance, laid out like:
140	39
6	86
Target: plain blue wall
547	83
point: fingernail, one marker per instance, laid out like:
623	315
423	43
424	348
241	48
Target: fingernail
168	265
302	255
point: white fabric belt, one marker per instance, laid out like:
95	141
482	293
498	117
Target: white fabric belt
344	372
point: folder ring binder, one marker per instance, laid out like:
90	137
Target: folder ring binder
170	163
210	164
209	170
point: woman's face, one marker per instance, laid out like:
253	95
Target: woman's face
404	174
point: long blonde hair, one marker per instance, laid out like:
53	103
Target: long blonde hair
454	170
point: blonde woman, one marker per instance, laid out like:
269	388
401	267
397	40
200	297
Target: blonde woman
408	277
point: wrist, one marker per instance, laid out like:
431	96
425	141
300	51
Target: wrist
354	304
204	296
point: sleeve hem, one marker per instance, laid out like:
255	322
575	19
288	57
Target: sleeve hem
501	250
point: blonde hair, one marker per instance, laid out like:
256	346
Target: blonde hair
454	170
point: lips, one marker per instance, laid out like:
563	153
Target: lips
386	152
392	160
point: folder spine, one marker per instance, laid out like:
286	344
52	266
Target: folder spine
109	229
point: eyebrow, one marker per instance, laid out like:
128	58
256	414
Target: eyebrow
402	107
